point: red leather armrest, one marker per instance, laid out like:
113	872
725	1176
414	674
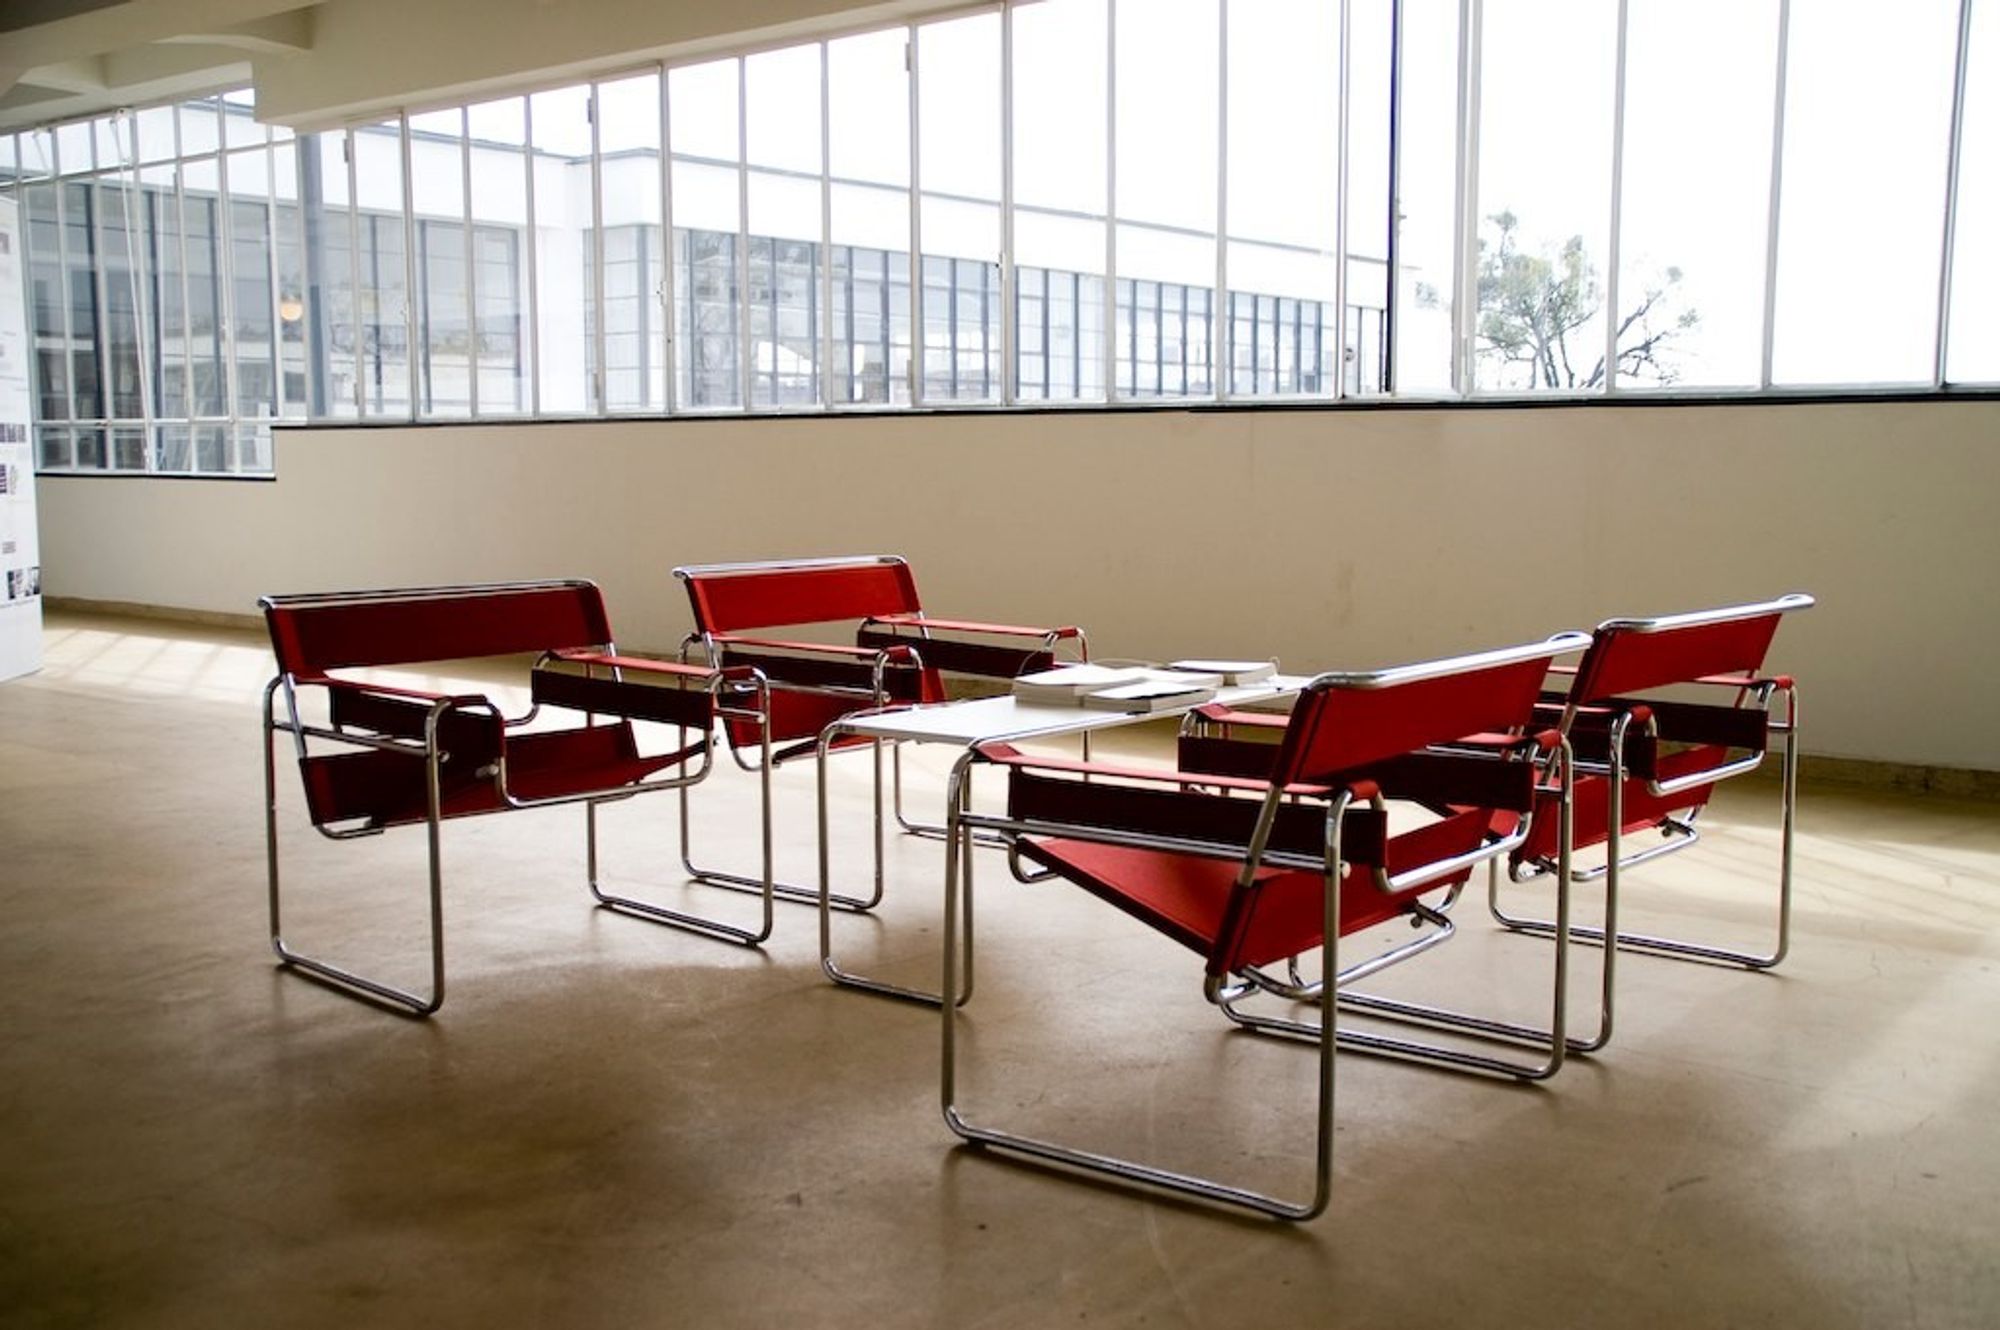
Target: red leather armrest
812	648
644	664
975	626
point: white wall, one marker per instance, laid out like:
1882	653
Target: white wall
1331	538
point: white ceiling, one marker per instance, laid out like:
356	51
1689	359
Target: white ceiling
64	58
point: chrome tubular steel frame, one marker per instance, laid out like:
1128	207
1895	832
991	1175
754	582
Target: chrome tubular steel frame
1685	834
934	830
765	887
958	788
796	892
1133	1171
1553	1037
1681	831
432	755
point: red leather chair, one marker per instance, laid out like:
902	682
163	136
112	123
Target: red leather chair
1649	759
899	655
1247	871
375	755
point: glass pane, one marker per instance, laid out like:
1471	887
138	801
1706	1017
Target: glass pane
114	141
958	112
123	274
48	305
382	274
156	134
560	125
499	211
868	95
211	449
329	253
1974	346
175	448
202	226
75	150
239	115
1425	261
1165	200
1867	127
253	448
444	331
1368	206
703	100
1544	194
1284	186
55	447
255	341
128	448
288	228
635	344
201	132
782	125
160	227
38	153
1697	190
90	453
79	202
1061	67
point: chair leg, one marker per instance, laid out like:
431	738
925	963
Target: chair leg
398	1000
1133	1171
1679	948
796	892
959	789
660	914
1552	1037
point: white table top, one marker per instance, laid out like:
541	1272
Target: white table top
981	719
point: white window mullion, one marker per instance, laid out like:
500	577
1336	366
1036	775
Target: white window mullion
1110	311
411	232
1344	94
1009	306
142	325
744	346
1777	193
912	57
1953	166
353	286
669	253
471	267
1465	306
225	275
1392	286
600	378
187	289
825	328
1614	247
1218	344
532	243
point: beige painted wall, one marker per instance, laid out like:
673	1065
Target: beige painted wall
1331	538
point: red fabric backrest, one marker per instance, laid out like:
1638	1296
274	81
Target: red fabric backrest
312	635
1625	657
734	600
1338	726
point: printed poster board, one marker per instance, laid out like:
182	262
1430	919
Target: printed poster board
20	549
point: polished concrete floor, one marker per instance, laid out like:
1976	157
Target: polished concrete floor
614	1124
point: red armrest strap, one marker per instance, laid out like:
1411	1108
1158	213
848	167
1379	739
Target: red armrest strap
975	626
642	663
813	648
1004	754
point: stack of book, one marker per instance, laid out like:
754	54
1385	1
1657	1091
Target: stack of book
1183	684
